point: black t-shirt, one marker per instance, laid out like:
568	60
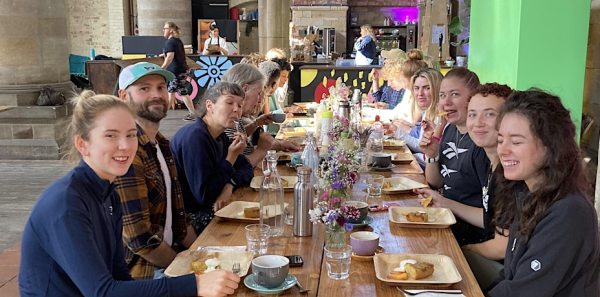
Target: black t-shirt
464	169
178	65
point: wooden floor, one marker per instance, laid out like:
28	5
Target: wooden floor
22	183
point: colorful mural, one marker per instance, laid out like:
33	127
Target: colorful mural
315	82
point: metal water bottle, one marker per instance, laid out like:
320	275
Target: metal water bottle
344	109
303	202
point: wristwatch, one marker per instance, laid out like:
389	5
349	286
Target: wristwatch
432	160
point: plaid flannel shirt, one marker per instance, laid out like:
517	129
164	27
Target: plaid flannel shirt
143	199
388	95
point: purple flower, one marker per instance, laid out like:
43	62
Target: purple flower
353	176
349	227
338	185
340	220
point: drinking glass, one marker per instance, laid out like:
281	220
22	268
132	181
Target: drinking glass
374	184
376	145
338	261
257	236
288	219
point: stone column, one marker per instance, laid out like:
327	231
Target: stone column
273	25
152	15
34	49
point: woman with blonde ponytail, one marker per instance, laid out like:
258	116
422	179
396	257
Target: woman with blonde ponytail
73	241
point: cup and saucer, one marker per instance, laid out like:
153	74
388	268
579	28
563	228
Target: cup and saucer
270	275
381	162
290	281
365	245
363	209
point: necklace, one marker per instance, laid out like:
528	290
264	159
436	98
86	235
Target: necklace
458	141
486	188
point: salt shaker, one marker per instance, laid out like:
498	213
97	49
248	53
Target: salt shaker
303	202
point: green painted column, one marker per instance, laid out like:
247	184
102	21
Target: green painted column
532	43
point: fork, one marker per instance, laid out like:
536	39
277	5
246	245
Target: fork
406	293
236	268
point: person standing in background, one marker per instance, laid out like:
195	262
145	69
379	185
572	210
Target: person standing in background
215	45
365	46
174	55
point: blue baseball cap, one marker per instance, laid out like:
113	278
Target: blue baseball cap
132	73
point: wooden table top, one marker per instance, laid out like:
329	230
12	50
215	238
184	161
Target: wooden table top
362	281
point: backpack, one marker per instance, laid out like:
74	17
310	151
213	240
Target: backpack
48	97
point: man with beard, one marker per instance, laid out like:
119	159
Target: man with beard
155	226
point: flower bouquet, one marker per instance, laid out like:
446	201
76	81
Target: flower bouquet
334	214
336	93
338	175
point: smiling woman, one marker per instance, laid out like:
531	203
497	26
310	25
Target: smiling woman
543	196
73	241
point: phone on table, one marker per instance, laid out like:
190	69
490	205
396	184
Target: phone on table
295	260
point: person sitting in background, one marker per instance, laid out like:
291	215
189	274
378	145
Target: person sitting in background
543	195
210	166
155	226
365	47
215	45
432	62
253	59
454	162
73	241
395	96
275	53
277	99
425	85
393	55
253	82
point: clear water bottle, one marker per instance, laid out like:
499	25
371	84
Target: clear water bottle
310	156
376	138
271	195
303	202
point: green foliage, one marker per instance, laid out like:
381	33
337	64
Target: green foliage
249	26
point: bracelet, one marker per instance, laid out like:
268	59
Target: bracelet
432	160
439	140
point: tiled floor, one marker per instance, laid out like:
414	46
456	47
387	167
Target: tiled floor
9	268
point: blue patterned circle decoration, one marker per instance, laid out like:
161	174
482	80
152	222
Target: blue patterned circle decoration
212	69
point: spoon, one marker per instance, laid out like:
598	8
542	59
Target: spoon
300	288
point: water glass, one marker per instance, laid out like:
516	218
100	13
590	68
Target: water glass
288	218
338	261
257	236
374	184
376	145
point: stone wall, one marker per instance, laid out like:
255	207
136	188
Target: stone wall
319	2
591	99
379	3
323	17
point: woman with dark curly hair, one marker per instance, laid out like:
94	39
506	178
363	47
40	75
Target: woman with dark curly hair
543	196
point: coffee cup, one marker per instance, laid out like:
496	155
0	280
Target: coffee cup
296	158
278	117
449	63
382	160
270	271
364	243
363	209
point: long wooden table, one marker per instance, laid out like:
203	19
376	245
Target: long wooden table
362	281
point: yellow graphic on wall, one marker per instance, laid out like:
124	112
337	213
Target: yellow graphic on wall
315	83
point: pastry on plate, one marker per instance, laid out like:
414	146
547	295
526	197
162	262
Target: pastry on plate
252	212
419	270
417	217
